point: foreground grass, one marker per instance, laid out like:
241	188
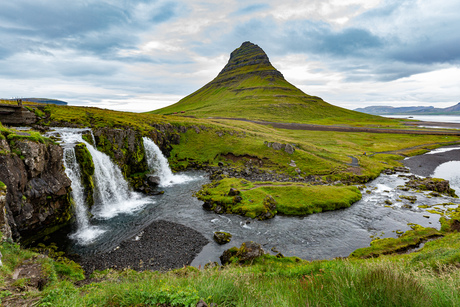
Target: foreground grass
425	278
429	277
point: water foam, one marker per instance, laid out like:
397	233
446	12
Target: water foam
158	164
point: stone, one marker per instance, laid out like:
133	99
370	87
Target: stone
153	180
289	149
249	251
233	192
222	237
277	146
201	303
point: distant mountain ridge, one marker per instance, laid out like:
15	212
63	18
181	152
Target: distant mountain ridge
250	87
42	100
388	110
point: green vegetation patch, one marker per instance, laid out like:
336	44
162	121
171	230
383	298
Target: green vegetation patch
12	134
86	163
265	199
411	238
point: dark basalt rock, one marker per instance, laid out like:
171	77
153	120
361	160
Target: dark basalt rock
38	190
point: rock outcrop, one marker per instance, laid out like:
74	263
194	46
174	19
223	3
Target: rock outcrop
38	191
248	251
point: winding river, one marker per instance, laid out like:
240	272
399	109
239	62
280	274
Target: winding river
381	212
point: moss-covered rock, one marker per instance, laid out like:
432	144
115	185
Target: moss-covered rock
248	251
432	184
126	148
86	163
222	237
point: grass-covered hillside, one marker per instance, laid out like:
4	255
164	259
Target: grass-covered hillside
250	87
206	142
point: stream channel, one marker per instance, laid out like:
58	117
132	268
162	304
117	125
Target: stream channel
318	236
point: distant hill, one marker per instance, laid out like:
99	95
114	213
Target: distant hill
387	110
250	87
43	100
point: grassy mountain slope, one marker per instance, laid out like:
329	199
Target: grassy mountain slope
250	87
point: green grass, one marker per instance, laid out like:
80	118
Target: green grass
391	280
208	141
428	277
411	238
289	198
12	134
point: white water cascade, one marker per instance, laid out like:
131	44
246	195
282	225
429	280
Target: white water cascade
85	233
158	164
112	195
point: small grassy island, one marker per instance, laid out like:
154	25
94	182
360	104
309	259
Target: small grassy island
269	149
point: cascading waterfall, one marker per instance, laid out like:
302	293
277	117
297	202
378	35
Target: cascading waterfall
158	164
112	194
112	191
85	232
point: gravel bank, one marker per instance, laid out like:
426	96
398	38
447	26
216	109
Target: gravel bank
424	165
162	245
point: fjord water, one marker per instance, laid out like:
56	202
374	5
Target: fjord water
317	236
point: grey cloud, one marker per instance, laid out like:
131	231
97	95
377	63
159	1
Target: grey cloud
251	9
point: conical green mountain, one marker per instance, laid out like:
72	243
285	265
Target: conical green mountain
250	87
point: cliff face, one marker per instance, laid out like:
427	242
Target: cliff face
38	191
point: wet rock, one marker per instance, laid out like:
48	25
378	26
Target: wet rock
153	180
222	237
431	184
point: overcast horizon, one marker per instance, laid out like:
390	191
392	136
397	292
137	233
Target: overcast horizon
142	55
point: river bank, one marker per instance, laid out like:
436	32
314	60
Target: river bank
160	246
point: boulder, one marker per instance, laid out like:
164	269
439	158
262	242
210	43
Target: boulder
277	146
153	180
248	251
222	237
432	184
289	149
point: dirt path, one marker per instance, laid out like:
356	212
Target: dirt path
310	127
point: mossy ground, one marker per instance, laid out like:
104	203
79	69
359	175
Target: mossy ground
290	198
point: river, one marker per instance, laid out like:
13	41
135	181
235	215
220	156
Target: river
381	212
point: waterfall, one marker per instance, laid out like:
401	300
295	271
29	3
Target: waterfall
85	233
112	195
159	165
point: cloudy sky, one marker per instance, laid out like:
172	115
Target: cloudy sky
141	55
